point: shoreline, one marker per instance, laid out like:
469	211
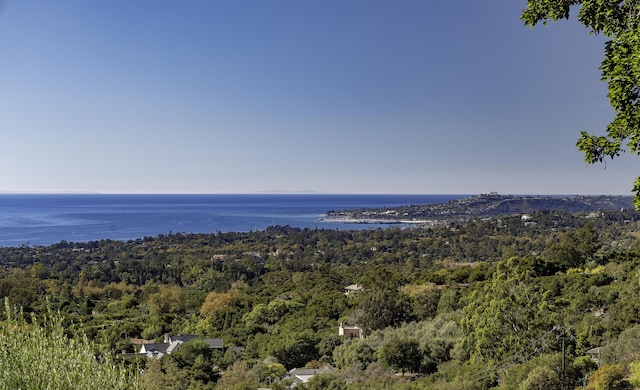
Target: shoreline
373	221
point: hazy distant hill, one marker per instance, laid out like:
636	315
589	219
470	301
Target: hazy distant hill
484	205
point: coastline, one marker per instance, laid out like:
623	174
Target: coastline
373	221
45	219
477	206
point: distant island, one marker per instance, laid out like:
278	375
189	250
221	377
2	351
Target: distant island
479	206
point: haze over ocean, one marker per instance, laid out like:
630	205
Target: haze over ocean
43	219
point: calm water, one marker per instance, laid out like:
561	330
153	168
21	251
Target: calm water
46	219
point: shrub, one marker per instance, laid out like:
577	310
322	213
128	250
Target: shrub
608	378
38	355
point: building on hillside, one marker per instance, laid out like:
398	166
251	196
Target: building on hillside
154	350
168	339
352	288
354	332
215	343
594	353
172	344
238	352
303	375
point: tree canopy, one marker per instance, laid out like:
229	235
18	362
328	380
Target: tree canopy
618	21
469	305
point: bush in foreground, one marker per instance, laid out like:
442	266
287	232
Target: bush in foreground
38	355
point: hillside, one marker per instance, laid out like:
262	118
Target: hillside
491	303
481	206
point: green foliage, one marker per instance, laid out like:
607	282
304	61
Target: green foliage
545	372
575	249
634	370
581	368
423	299
271	371
379	309
296	350
624	348
609	377
196	360
480	299
239	376
508	314
39	355
541	378
402	355
449	302
437	339
376	377
326	382
458	375
164	374
354	352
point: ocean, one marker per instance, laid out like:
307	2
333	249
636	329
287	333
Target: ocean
44	219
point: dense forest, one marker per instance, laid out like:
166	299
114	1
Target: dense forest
544	300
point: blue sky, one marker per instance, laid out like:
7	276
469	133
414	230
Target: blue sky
341	96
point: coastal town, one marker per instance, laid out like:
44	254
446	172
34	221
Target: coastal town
478	206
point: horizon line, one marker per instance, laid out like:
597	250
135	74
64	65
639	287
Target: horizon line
305	192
